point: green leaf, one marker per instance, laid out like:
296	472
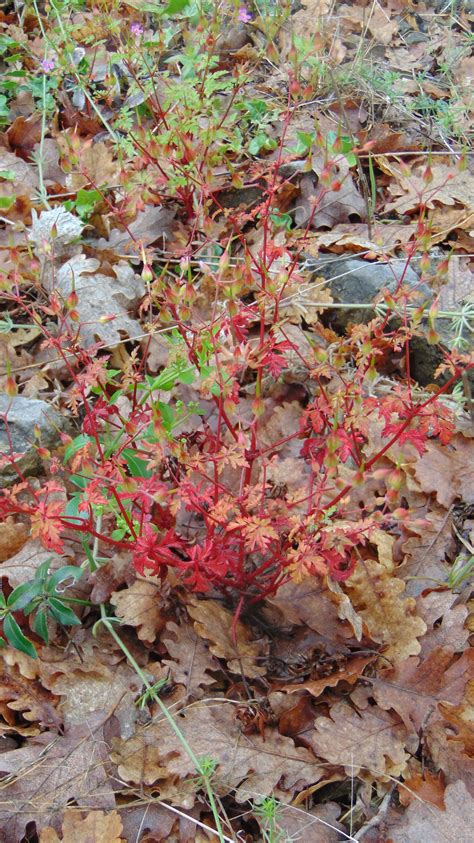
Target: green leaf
42	570
15	637
63	614
6	202
8	175
137	466
175	6
40	624
76	446
86	200
24	594
65	573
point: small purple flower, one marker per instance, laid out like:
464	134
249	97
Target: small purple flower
48	64
244	15
137	30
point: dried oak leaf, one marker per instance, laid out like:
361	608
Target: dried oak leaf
41	778
23	564
426	551
413	688
150	225
213	622
428	787
424	822
22	177
449	756
100	296
390	616
140	605
95	827
448	470
96	166
92	686
460	718
190	661
332	206
246	765
311	604
371	740
447	187
446	621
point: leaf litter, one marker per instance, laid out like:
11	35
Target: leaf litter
348	703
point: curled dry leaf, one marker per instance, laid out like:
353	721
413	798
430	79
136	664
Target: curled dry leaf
25	696
424	822
350	673
390	617
372	741
140	606
95	827
214	622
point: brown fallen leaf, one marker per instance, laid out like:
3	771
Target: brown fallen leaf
94	827
447	187
424	822
42	777
414	688
249	766
370	741
13	536
141	605
332	206
214	622
428	787
148	226
310	604
350	673
318	825
448	470
105	304
426	550
445	618
390	616
191	662
24	695
461	719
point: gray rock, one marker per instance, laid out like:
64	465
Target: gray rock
22	414
356	281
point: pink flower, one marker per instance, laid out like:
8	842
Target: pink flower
137	30
48	64
244	15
